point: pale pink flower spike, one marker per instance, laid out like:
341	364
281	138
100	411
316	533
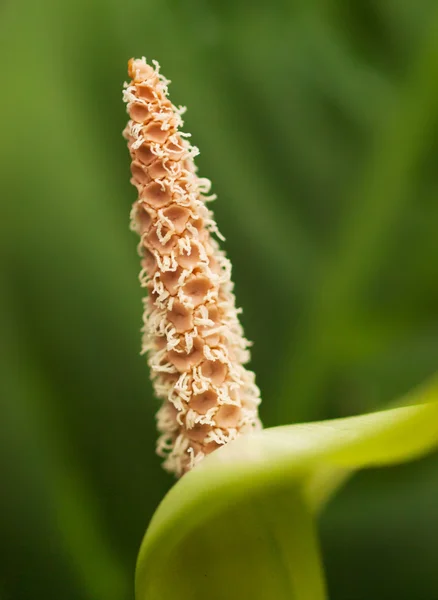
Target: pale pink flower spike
195	344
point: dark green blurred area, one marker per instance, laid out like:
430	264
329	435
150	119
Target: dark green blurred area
317	122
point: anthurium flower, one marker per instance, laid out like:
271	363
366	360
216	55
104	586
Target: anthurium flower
240	523
192	332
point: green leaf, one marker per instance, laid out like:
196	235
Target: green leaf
240	524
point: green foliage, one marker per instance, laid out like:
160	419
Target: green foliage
241	524
317	122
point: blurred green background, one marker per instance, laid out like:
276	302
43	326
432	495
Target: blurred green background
317	122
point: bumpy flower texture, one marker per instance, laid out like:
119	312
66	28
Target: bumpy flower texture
192	335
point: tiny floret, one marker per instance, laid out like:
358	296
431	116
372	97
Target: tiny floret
192	334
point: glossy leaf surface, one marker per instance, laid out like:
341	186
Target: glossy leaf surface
241	525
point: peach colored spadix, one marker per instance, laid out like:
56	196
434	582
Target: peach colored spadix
192	335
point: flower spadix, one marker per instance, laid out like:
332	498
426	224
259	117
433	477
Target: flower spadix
192	334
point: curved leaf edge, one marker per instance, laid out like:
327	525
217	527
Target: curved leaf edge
293	453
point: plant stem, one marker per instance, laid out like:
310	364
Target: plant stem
296	541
